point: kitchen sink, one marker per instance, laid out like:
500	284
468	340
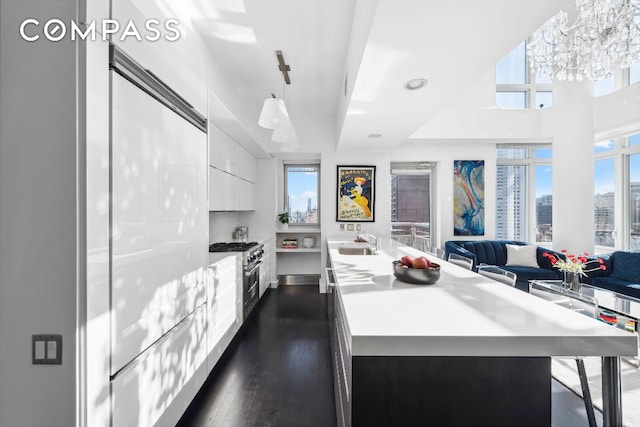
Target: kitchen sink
355	251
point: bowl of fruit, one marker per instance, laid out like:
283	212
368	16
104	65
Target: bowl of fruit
420	270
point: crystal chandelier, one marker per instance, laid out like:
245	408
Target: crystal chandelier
604	38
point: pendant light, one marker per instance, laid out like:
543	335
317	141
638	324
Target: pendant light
274	113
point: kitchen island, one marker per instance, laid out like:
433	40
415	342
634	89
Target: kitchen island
464	351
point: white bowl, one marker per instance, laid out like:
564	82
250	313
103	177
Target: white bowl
308	242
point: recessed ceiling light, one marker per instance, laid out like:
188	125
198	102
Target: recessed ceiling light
374	135
415	84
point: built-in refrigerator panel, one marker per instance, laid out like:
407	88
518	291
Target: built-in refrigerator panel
159	220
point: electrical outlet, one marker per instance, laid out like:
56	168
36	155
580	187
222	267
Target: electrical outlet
358	227
46	349
341	227
349	227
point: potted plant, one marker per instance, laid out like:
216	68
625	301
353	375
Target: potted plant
284	220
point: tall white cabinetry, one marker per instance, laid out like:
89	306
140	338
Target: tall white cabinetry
232	173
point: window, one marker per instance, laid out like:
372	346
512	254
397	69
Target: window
634	73
544	203
604	146
603	87
412	203
523	194
617	80
510	202
603	203
634	200
516	86
302	186
617	193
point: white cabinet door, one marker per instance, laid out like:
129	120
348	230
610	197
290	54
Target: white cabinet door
157	386
267	268
230	193
246	195
214	135
159	231
247	165
224	314
228	156
222	192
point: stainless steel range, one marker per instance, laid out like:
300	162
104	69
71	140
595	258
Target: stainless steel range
252	253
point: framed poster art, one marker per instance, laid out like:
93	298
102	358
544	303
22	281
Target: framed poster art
468	197
356	193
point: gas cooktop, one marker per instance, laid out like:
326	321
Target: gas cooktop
231	246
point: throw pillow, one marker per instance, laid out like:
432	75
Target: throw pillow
626	266
522	256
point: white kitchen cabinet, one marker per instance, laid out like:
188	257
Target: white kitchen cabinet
158	386
229	156
341	361
224	305
230	193
232	173
268	265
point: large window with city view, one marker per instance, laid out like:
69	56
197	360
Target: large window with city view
302	187
617	188
523	194
411	202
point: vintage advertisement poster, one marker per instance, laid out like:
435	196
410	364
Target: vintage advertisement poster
468	197
356	193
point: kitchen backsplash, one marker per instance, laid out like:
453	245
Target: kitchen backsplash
223	224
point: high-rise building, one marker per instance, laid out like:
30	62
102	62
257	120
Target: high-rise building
544	218
510	202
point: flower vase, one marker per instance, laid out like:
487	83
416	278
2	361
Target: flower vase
572	280
284	226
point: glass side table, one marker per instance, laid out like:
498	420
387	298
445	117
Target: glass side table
610	307
615	309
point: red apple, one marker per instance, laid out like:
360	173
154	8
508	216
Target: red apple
407	260
421	262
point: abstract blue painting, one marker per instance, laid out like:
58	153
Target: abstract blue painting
468	197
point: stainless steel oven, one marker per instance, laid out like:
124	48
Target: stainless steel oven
252	254
251	286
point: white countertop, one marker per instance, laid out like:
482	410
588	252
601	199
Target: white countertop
463	314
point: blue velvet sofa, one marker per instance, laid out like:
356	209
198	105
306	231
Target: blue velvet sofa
622	274
494	252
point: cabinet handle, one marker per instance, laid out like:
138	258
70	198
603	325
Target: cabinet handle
330	278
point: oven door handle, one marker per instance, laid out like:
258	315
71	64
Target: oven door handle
257	266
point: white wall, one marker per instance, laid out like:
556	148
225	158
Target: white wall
39	213
617	113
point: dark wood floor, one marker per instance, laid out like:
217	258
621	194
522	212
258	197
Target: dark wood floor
277	371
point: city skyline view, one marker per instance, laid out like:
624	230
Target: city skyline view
302	194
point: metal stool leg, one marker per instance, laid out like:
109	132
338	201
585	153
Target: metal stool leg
586	393
611	391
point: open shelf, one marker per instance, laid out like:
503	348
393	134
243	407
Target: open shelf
289	250
299	230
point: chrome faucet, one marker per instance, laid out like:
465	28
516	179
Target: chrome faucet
373	241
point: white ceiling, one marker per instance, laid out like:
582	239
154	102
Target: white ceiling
377	49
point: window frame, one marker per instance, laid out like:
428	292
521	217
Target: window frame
620	154
285	189
530	162
429	168
530	87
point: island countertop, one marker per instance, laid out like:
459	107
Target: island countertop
463	314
